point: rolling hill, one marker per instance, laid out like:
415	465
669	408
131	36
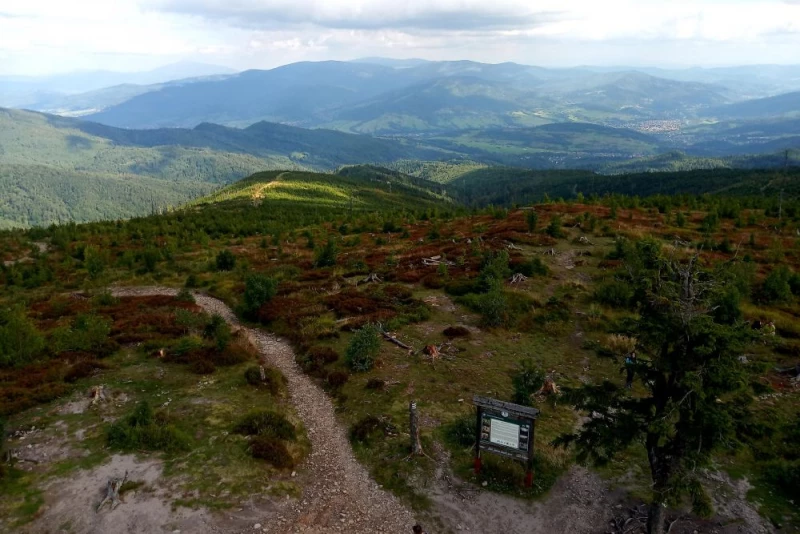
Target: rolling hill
785	105
641	94
360	188
442	105
558	145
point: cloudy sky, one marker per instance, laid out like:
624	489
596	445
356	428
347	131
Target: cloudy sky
48	36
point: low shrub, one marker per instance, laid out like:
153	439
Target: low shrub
459	288
534	267
183	349
315	360
266	423
225	260
190	321
527	380
337	379
259	290
434	281
461	431
219	331
203	367
88	332
184	295
20	340
323	355
368	429
776	287
105	298
499	308
273	379
375	383
82	369
614	293
620	345
272	450
145	430
785	475
456	331
233	354
364	348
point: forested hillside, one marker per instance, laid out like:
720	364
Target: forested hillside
37	195
52	171
507	186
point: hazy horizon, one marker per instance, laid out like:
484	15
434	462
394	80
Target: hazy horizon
45	37
366	59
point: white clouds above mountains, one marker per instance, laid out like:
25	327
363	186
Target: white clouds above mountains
50	35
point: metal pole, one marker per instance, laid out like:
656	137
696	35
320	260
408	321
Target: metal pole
529	465
478	429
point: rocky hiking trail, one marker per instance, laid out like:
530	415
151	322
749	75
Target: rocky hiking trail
338	493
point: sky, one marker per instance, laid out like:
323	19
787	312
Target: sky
39	37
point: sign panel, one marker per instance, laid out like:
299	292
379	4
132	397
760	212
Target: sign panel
503	433
505	428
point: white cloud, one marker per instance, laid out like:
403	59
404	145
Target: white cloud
47	35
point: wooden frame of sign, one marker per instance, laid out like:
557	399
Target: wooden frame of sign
506	429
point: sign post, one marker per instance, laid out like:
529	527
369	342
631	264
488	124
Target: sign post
506	429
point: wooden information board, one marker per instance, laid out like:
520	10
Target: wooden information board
506	429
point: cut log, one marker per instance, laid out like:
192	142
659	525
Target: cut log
392	339
370	279
112	492
790	371
518	278
436	260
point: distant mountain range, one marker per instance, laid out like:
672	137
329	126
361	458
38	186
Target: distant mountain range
418	98
387	97
148	145
47	93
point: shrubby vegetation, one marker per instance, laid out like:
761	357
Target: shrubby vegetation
20	340
145	429
528	379
364	347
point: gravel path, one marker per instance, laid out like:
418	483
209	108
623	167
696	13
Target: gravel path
339	495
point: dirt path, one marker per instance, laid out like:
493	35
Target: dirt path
338	494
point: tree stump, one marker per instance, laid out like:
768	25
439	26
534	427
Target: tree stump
112	492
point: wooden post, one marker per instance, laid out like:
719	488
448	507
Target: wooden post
478	441
529	463
416	445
